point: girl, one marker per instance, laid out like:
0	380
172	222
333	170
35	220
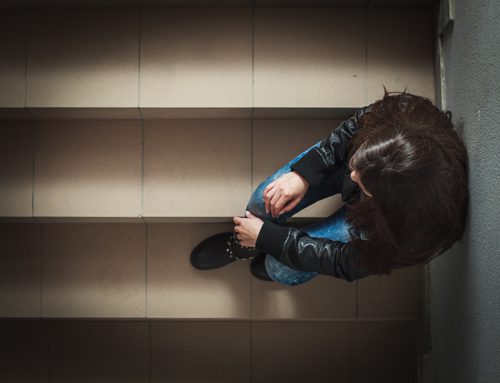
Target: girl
402	171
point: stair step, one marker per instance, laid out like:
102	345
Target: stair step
158	171
208	351
122	270
133	63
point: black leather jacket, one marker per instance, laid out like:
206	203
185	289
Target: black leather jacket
294	247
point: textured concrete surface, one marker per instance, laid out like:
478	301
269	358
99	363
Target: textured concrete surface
465	307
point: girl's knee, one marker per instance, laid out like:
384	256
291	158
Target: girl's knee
256	204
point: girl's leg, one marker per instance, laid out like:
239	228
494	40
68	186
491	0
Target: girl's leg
333	227
331	186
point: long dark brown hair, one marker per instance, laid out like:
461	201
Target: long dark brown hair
414	164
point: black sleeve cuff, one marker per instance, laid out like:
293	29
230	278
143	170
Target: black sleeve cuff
310	167
271	238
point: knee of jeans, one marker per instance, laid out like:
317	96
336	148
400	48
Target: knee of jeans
256	204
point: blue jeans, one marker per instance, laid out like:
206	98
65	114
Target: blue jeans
334	227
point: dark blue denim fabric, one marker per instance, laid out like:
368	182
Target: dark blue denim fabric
334	227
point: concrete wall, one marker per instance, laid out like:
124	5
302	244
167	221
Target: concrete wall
465	282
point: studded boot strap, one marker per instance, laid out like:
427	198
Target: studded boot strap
237	251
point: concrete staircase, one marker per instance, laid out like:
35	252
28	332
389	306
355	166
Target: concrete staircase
132	131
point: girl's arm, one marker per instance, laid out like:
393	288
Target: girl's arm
296	249
331	153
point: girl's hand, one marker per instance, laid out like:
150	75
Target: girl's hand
285	193
247	229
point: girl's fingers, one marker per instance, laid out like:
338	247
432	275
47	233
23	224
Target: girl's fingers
290	205
267	198
275	199
279	204
266	191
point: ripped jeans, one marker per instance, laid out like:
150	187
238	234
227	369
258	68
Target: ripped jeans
334	227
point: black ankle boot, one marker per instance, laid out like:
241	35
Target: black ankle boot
258	268
241	252
219	250
212	252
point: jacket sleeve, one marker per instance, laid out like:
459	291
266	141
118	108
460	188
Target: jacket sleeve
296	249
331	153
